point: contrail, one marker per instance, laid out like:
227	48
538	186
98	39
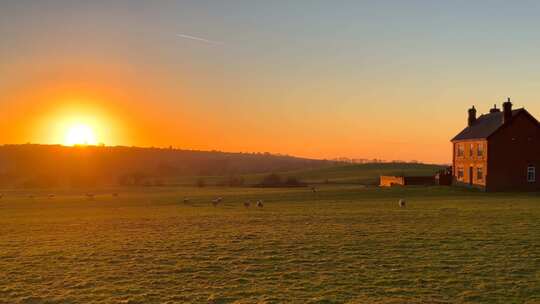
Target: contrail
199	39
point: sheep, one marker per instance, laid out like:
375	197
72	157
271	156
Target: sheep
115	194
1	196
31	196
260	204
247	204
50	196
401	203
314	189
186	200
90	196
217	200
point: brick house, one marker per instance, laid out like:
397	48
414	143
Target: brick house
498	151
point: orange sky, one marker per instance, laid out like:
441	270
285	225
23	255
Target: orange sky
322	83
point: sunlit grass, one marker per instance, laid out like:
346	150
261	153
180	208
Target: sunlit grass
340	245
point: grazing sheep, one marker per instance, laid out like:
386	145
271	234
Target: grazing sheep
401	203
186	200
247	204
50	195
314	189
31	196
216	201
90	196
260	204
115	194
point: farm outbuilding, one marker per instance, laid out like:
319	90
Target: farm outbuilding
442	177
389	181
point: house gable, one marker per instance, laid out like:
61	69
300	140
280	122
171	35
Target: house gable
521	114
512	149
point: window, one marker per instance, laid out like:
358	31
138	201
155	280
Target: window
480	174
460	150
531	174
471	150
480	151
460	173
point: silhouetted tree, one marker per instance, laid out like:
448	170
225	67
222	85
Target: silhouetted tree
234	181
271	180
292	182
201	183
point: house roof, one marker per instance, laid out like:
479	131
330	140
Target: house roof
484	126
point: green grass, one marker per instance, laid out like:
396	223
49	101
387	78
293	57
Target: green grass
365	174
343	244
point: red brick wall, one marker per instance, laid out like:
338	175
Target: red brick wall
512	149
470	159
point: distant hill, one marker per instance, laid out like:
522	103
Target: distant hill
335	173
36	166
43	166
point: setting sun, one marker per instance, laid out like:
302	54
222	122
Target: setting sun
79	121
80	135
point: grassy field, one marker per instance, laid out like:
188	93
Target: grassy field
343	244
365	174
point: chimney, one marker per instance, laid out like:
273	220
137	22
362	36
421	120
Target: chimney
472	116
507	111
494	109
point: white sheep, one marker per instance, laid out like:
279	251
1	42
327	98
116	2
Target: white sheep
402	203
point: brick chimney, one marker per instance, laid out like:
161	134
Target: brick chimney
494	109
472	116
507	111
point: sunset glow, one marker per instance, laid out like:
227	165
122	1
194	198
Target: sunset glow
360	80
80	135
79	121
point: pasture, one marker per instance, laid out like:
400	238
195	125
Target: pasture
366	174
342	244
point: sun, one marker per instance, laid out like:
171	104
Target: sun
80	134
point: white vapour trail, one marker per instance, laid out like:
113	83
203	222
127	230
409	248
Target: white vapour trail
199	39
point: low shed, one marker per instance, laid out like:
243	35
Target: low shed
389	181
